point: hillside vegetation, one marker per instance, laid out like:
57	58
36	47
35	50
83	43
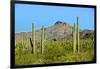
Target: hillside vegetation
54	52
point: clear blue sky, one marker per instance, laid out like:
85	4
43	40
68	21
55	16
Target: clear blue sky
47	15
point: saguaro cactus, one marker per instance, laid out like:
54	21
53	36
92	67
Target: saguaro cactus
42	40
78	47
33	37
74	38
45	35
23	42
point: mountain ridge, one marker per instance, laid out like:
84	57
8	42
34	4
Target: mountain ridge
60	30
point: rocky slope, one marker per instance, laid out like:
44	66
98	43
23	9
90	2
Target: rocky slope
60	30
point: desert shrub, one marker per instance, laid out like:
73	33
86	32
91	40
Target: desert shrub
54	52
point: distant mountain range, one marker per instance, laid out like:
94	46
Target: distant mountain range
60	30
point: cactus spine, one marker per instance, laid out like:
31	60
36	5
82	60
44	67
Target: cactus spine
78	34
42	40
33	37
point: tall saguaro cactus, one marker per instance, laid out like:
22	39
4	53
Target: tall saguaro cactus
74	38
78	47
33	38
42	40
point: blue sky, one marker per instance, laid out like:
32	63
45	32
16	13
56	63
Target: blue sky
45	15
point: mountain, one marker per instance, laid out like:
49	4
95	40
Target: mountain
87	33
60	30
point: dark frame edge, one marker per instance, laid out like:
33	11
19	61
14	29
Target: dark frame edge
12	57
55	64
54	4
95	16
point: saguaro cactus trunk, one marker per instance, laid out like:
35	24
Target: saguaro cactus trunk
74	38
42	40
45	35
23	42
78	47
33	38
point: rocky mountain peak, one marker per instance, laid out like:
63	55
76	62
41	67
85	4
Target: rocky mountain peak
59	22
